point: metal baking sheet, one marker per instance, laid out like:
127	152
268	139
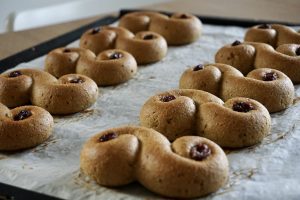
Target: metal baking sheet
269	170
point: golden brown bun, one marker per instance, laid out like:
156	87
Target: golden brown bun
270	87
174	170
178	29
138	21
228	128
102	38
146	47
144	50
110	67
24	127
272	34
249	55
194	112
69	94
175	118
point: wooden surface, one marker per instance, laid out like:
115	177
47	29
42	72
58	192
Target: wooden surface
278	10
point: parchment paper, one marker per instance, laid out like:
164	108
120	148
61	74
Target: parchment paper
270	170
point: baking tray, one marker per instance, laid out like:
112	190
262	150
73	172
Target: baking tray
14	193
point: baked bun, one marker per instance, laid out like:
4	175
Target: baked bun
146	47
240	122
110	67
272	34
178	29
69	94
270	87
189	167
249	55
23	127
